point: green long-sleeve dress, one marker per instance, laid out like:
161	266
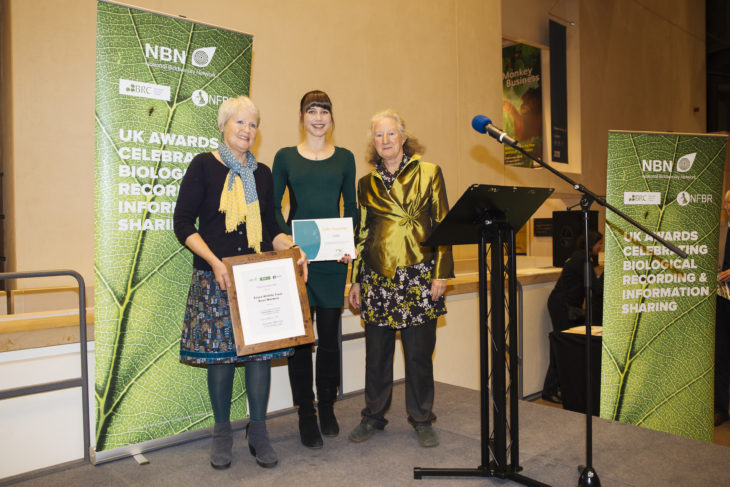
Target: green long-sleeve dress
315	188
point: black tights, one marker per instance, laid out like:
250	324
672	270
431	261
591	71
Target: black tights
220	389
327	366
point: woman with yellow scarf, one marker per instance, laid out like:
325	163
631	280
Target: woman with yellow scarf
225	208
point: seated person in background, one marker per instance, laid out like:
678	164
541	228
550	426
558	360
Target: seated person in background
565	303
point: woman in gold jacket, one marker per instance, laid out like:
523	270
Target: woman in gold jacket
398	283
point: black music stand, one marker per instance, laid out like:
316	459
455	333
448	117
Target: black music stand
493	214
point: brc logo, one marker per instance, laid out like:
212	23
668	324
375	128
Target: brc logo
144	90
201	57
684	164
642	198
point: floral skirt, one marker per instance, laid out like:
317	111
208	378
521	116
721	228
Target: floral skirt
400	302
207	334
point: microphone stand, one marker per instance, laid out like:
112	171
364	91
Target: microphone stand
588	476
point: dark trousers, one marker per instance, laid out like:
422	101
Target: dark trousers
558	310
722	355
418	346
327	364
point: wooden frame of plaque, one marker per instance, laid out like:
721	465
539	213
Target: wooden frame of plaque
274	309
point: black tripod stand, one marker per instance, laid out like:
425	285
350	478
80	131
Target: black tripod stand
491	214
482	124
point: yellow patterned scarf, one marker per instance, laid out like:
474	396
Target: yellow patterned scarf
239	200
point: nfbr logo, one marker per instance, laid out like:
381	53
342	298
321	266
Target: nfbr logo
684	198
201	98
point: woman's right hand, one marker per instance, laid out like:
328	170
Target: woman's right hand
221	274
354	296
724	276
196	243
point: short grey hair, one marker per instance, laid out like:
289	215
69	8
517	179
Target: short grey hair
233	105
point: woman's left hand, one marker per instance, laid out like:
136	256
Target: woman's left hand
282	241
347	258
302	262
438	287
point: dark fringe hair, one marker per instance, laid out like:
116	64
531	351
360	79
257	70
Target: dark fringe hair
315	98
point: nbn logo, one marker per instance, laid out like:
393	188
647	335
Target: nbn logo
201	57
684	164
656	165
163	53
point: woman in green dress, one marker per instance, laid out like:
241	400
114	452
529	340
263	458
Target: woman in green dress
317	175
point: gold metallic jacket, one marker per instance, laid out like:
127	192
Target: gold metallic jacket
393	223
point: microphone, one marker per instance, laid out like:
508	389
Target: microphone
483	125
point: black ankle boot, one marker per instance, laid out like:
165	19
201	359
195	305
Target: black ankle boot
327	420
309	430
259	444
220	451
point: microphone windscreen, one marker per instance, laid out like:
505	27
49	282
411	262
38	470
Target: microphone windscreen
480	122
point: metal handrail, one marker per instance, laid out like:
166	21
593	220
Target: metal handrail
82	381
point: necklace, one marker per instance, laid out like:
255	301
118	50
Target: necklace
316	155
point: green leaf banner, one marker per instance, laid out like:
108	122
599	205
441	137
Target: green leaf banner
658	308
159	82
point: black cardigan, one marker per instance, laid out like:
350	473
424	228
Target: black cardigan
199	199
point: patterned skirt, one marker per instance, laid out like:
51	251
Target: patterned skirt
207	334
400	302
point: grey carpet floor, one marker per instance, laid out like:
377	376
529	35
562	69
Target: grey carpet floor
551	446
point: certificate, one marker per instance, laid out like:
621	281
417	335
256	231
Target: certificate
268	302
324	238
